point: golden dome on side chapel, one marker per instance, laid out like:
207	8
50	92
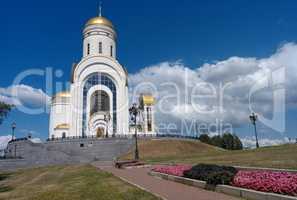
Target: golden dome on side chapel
63	126
65	94
148	100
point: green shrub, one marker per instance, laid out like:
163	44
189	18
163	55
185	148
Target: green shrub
205	138
212	174
223	177
226	141
217	141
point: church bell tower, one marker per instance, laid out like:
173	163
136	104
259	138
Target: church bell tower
99	38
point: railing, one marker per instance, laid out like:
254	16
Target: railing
17	139
124	136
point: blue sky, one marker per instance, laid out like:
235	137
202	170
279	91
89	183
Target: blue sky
40	34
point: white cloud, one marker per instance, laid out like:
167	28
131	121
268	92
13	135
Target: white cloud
4	141
174	85
24	95
36	140
251	142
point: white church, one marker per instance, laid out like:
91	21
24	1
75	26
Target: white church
97	103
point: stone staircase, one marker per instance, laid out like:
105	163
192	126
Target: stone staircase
64	152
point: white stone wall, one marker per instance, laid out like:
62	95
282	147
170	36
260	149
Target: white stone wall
59	133
144	120
98	33
60	114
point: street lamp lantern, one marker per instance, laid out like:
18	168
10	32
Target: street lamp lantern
13	127
134	111
254	118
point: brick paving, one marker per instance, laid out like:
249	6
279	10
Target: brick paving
166	189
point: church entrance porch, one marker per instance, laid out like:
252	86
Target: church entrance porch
99	125
99	103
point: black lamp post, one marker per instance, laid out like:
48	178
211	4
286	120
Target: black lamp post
13	127
134	111
107	119
253	118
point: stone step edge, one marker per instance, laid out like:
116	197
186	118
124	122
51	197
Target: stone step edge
225	189
138	167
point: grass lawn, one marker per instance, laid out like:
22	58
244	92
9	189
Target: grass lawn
190	151
82	182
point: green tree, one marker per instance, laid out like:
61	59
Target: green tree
228	141
231	142
204	138
217	141
4	110
237	143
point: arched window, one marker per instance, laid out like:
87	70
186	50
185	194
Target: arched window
88	49
149	119
100	47
63	135
99	102
111	51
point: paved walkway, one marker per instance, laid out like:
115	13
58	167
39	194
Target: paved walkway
166	189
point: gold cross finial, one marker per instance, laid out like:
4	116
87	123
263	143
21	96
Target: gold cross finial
100	9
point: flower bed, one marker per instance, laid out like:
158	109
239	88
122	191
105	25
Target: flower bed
175	170
267	181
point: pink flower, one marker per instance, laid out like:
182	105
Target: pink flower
176	170
267	181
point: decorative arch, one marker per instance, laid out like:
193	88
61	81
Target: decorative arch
93	79
77	70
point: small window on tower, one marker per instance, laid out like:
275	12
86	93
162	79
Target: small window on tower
149	127
100	47
88	49
111	51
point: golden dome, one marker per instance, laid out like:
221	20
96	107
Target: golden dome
99	21
63	94
148	100
63	126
